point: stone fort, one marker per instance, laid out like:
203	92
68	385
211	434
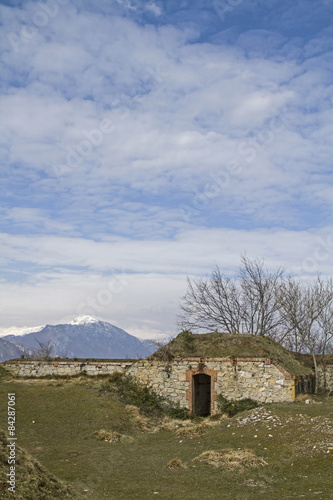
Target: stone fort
192	370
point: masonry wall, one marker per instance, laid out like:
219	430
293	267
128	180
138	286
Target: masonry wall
254	378
68	368
328	376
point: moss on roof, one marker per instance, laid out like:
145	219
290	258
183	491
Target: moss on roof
225	345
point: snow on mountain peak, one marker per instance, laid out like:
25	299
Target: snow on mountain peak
83	320
20	330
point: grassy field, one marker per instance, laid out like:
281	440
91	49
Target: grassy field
291	447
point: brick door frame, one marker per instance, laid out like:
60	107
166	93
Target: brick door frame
213	393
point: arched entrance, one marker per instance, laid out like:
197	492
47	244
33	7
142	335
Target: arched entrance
201	394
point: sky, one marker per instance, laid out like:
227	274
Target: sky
144	142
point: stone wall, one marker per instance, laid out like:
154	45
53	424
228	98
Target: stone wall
31	368
255	378
167	379
329	377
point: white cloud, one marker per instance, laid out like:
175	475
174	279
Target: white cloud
183	110
137	285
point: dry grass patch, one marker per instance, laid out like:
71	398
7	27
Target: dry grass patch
170	424
142	422
57	381
191	430
153	425
176	463
183	428
233	460
112	437
307	398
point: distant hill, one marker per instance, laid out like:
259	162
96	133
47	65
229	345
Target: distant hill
11	350
84	337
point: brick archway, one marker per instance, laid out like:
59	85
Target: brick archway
201	369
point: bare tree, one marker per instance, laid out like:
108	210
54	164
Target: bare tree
164	348
261	313
245	303
325	321
45	349
307	310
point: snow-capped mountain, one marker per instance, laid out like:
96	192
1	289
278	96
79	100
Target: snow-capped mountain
83	337
83	320
19	330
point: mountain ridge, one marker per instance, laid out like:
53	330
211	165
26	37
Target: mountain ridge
83	337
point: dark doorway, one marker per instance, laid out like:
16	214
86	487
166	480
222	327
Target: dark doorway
201	394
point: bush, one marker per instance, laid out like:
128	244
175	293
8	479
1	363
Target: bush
231	407
131	392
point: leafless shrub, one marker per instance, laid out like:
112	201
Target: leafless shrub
245	303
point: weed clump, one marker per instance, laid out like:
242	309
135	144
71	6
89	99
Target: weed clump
233	460
232	407
176	463
192	431
131	392
112	437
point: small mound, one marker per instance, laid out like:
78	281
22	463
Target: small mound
234	460
112	437
32	480
176	463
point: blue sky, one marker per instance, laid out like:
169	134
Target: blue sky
141	142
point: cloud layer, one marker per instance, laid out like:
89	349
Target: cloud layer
155	139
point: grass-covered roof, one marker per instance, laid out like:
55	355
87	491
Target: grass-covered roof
225	345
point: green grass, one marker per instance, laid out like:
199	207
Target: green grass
32	480
56	421
223	345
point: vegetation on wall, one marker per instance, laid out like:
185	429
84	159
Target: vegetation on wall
129	391
232	407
